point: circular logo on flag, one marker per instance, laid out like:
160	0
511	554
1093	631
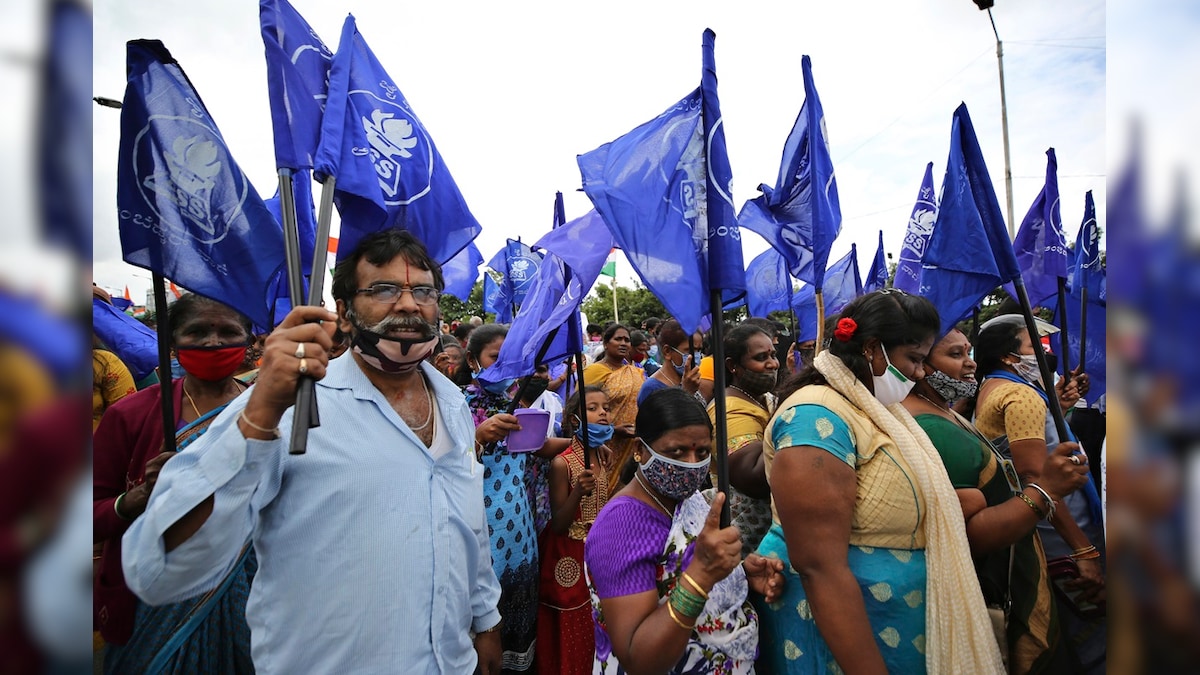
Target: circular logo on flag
398	146
186	176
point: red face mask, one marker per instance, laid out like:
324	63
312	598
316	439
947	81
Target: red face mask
211	364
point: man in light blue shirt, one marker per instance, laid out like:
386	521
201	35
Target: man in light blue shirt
372	548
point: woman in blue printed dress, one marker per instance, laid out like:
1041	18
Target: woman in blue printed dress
510	514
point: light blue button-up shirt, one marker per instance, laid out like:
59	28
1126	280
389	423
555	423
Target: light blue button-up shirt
373	557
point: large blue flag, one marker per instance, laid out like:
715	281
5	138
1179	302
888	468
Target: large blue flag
969	253
462	271
724	239
297	83
877	276
651	187
768	285
131	340
1040	244
916	237
186	210
842	283
388	171
64	130
1085	270
801	216
581	245
54	341
1127	230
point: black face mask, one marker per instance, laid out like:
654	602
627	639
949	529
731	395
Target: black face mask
1052	361
536	387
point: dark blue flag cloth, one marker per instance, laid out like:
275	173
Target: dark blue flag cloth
1127	230
64	130
186	210
583	246
969	253
652	188
916	237
1085	270
801	216
462	271
804	303
648	186
1040	244
521	265
724	245
842	283
131	340
54	341
121	303
877	276
389	174
768	284
297	82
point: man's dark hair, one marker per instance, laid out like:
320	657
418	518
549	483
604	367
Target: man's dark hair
380	248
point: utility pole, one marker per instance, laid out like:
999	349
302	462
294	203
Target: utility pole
1008	193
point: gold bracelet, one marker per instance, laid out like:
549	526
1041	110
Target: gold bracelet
688	578
242	416
1086	556
493	629
1086	549
671	611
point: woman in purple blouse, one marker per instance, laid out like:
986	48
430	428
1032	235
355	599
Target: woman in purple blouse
668	584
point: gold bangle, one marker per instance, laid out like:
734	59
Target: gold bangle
671	611
688	578
242	416
1092	555
493	629
1086	549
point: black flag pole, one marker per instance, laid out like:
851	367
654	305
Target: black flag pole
716	339
1064	361
1083	307
1060	421
166	387
306	414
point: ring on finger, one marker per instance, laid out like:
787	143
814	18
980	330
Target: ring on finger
1074	459
299	350
304	369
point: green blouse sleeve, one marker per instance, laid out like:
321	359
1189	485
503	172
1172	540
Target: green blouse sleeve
962	453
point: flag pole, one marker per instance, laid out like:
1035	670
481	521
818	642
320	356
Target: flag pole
306	414
560	219
718	349
820	321
1083	327
291	238
616	319
166	388
1062	320
1060	422
795	333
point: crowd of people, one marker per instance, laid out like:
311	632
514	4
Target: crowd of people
901	499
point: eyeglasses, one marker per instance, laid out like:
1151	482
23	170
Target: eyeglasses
388	293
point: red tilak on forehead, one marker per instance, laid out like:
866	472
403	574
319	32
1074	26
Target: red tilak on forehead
406	275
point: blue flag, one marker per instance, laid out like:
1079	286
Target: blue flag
801	216
297	83
462	271
916	237
131	340
494	298
388	172
64	130
652	188
768	285
521	264
842	283
1040	244
1085	270
724	240
804	304
969	253
582	246
186	210
877	276
1128	232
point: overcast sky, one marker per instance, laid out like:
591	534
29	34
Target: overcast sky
512	92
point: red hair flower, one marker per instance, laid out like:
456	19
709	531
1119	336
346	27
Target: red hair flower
845	329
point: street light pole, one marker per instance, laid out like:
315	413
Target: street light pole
1008	192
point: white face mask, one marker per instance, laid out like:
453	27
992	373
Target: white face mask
892	386
1027	367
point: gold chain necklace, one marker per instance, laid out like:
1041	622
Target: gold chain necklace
637	475
747	395
429	398
192	401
